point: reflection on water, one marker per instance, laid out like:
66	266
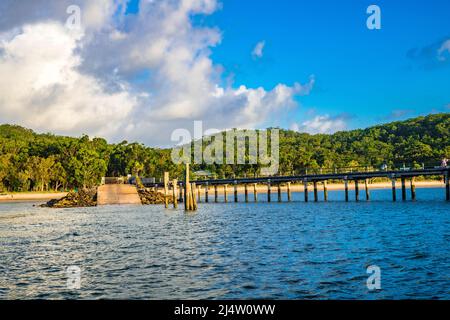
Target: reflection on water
289	250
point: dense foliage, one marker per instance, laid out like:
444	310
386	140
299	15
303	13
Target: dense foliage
40	162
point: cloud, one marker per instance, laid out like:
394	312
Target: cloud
322	124
42	88
445	48
431	56
258	50
134	77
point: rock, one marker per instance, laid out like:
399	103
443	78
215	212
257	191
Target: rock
82	198
152	197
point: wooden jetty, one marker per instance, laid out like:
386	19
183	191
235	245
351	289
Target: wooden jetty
192	194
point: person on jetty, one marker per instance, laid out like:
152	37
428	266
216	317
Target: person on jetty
444	163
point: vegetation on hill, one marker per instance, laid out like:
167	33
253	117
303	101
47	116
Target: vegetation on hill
40	162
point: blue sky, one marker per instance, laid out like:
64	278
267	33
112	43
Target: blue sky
164	64
366	74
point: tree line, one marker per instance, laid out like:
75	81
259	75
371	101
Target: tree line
44	162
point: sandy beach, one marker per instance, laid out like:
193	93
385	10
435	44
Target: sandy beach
31	196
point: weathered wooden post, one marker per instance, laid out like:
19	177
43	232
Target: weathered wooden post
356	190
316	194
187	191
207	192
447	186
199	189
325	191
305	182
235	192
225	192
194	198
269	195
403	189
279	192
413	189
181	198
346	189
174	189
289	192
366	185
394	192
246	192
166	189
255	192
216	194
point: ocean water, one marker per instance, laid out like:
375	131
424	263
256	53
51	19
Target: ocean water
260	250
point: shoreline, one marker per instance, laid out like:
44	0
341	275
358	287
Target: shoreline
31	196
39	196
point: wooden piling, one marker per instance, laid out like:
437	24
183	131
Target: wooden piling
413	189
269	194
187	191
316	194
246	192
225	192
279	192
207	193
447	187
255	192
394	192
366	185
306	190
235	192
325	191
174	193
403	189
289	192
346	190
194	198
216	193
166	189
356	190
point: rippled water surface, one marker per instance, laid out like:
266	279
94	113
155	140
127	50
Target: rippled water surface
280	250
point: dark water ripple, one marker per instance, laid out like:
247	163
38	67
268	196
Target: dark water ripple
225	251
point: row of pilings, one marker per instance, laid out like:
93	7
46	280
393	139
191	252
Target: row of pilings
190	194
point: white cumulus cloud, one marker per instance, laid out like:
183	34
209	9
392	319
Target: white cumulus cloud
321	124
134	77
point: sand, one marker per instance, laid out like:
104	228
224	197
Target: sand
30	196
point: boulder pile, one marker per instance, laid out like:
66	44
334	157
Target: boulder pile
152	197
82	198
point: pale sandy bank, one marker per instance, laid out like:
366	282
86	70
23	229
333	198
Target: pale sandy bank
31	196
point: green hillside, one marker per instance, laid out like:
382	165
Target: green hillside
31	161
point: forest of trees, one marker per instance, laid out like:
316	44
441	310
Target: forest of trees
44	162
